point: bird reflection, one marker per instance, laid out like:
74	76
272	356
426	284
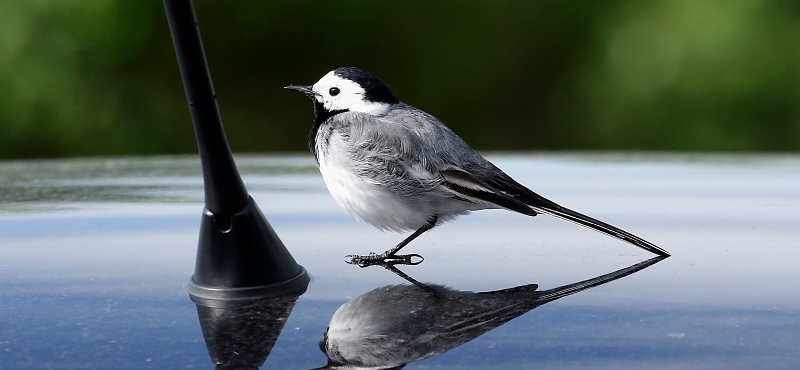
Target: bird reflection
392	326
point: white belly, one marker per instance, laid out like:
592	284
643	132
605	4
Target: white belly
365	199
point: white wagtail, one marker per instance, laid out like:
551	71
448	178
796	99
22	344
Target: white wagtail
399	168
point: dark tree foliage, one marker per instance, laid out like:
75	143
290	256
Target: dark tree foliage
99	77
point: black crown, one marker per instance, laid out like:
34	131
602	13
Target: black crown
376	90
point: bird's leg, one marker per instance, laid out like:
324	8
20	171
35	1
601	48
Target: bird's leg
373	258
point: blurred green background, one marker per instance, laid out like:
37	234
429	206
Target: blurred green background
99	77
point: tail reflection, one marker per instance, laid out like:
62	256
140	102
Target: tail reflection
392	326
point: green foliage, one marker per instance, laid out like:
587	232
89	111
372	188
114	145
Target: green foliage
98	77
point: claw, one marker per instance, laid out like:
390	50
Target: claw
382	259
408	259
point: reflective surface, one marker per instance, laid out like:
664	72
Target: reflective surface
391	326
95	255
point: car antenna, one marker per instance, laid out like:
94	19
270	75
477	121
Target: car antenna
239	255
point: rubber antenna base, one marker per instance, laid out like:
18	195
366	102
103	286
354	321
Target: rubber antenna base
241	257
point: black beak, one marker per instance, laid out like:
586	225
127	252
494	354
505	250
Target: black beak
305	90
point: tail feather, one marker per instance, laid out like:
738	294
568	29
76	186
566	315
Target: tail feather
586	221
541	204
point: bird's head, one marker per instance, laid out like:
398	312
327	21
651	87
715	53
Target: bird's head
349	89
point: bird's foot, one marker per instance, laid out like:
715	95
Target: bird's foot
384	259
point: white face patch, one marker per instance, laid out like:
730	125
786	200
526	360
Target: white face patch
350	96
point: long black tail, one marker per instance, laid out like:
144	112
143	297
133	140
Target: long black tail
541	204
583	220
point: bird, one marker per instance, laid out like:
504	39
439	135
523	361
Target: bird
391	326
399	168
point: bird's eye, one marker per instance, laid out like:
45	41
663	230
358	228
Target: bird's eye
334	91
